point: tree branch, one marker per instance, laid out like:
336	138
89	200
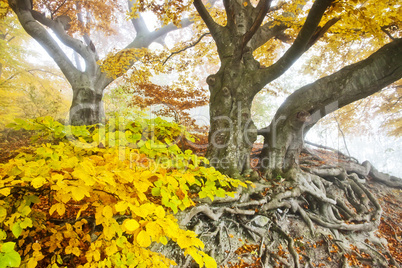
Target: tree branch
207	18
76	45
88	42
187	47
333	92
265	33
143	39
138	23
262	7
39	33
299	46
321	31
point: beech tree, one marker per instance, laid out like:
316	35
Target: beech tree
299	198
74	21
241	76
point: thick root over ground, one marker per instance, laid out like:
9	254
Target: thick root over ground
324	216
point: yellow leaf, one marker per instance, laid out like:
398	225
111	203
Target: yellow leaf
197	257
142	186
143	239
63	197
154	229
83	208
163	240
121	206
3	214
96	255
144	210
60	207
38	182
131	225
36	247
32	263
109	232
108	212
5	191
78	193
57	177
76	251
112	249
84	176
189	178
209	262
160	212
184	241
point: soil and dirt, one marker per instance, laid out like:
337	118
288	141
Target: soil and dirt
333	212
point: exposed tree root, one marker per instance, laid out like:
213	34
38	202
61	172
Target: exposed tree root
329	201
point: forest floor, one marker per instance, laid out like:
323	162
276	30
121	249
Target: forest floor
389	229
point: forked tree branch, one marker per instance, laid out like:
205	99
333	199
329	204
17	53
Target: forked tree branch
321	31
69	41
207	18
26	17
262	7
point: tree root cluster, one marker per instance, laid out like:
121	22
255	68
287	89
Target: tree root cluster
324	216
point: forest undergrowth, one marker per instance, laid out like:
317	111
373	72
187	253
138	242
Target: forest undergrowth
275	223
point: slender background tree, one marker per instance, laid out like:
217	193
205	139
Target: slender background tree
73	23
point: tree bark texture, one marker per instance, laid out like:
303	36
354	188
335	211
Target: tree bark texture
232	132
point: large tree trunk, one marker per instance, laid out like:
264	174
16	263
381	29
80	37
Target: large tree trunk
241	77
302	109
87	107
232	131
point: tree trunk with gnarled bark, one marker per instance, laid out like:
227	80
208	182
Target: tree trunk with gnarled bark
241	77
88	85
232	132
302	109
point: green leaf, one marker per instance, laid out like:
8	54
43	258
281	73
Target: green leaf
26	223
16	229
25	210
156	191
32	199
121	241
8	247
12	259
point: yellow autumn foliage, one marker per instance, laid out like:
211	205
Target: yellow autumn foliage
103	205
